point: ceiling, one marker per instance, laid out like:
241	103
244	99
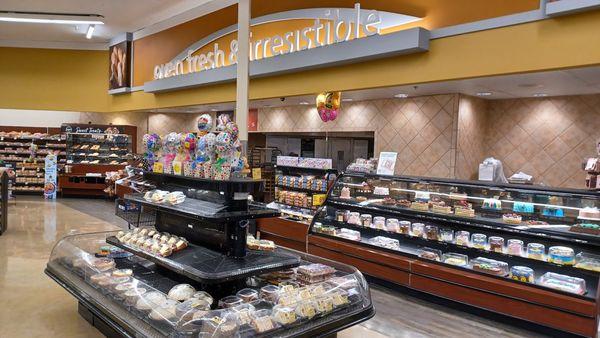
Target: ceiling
578	81
119	16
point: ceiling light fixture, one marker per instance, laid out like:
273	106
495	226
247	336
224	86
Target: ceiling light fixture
90	32
540	95
484	94
53	18
401	96
214	109
304	103
347	100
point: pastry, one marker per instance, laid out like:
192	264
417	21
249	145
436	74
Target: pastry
389	201
441	208
244	313
266	245
586	228
535	222
378	222
522	274
361	199
464	209
455	259
186	310
512	218
247	295
98	278
164	311
230	301
262	324
284	315
421	206
149	301
324	304
366	220
404	227
306	309
345	193
430	254
563	283
404	203
103	264
496	244
165	250
515	247
492	204
561	255
479	241
447	235
418	229
432	232
133	295
489	266
203	295
588	262
589	213
181	292
536	251
354	218
523	207
269	292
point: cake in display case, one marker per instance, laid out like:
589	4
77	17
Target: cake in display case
515	234
196	274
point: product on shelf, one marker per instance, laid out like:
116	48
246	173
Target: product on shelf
492	204
404	203
463	238
175	197
354	218
496	244
464	209
587	262
561	255
563	283
479	241
247	295
515	247
589	213
385	242
523	207
418	230
379	223
345	193
532	222
389	201
349	234
432	232
455	259
313	273
421	206
447	235
341	215
392	225
429	253
181	292
489	266
366	220
553	212
161	245
536	251
586	228
523	274
381	191
512	218
404	227
440	207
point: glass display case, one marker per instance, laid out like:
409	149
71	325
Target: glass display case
196	273
481	227
98	148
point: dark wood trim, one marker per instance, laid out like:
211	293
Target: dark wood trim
568	322
509	289
283	228
285	242
49	130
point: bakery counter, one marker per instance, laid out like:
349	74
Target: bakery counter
284	232
127	295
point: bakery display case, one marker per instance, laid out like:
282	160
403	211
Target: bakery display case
195	273
91	151
301	186
478	243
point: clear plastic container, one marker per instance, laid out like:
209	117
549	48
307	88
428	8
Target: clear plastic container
354	218
536	251
479	241
418	230
269	292
496	244
523	274
404	227
379	222
392	225
181	292
447	235
563	283
366	220
587	261
561	255
457	259
262	322
385	242
349	234
432	232
515	247
230	301
284	315
340	215
489	266
247	295
463	238
313	273
429	253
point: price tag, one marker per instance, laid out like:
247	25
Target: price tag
177	167
157	167
256	173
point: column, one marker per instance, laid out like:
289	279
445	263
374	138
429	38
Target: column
241	105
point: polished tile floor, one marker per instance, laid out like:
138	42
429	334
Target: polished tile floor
32	305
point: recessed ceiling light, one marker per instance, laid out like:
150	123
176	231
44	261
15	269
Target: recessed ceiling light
401	96
53	18
484	94
540	95
90	32
304	103
214	109
347	100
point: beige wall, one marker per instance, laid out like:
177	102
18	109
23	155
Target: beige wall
421	129
472	125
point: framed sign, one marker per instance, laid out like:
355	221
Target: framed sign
387	163
119	69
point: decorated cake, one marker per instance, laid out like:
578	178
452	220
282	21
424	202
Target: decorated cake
345	193
464	209
589	213
523	274
489	266
588	228
523	207
512	218
421	206
561	255
492	204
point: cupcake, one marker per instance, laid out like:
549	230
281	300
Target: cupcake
122	273
133	295
203	295
164	312
186	310
181	292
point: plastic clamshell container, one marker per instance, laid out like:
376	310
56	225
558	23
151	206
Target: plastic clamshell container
561	255
587	261
349	234
489	266
522	273
429	253
563	283
457	259
386	242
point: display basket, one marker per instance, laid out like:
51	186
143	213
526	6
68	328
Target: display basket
134	213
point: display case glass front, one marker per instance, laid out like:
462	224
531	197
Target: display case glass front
98	148
544	237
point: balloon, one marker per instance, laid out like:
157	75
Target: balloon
205	123
232	128
222	121
223	143
172	143
189	142
328	105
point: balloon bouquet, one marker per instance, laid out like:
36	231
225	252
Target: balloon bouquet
152	146
172	149
188	143
328	105
205	147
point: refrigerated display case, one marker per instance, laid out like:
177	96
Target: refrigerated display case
300	188
510	249
206	281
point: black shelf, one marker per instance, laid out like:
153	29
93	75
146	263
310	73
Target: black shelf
304	169
307	190
210	267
